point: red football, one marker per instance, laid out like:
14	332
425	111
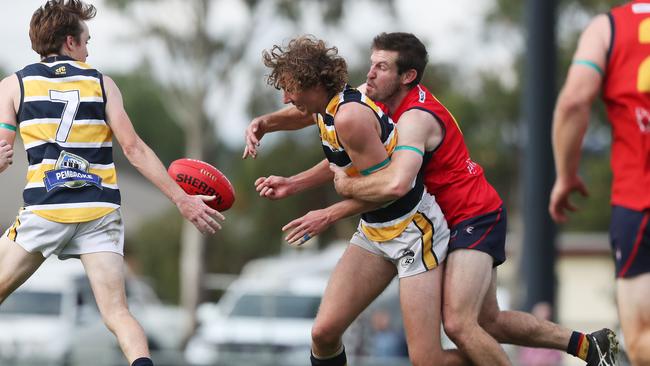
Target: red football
199	177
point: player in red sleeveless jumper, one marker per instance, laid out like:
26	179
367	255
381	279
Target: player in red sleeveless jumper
613	57
459	183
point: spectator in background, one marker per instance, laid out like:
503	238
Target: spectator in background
386	340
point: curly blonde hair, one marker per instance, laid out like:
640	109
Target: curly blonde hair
304	63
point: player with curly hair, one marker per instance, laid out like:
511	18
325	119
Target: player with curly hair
407	236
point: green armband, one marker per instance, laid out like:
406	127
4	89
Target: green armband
376	167
405	147
590	64
8	127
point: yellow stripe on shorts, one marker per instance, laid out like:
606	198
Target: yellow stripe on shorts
426	227
13	230
384	233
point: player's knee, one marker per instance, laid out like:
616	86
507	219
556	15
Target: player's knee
457	326
325	335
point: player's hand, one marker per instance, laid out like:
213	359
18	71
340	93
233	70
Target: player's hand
6	155
306	227
206	219
559	202
342	182
273	187
254	133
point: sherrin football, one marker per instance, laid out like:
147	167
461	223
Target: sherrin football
199	177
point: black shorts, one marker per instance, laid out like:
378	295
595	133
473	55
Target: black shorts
486	233
629	236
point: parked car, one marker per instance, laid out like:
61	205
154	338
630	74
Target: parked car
52	319
38	319
266	315
257	321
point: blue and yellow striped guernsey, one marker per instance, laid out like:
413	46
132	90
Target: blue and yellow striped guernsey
387	222
62	119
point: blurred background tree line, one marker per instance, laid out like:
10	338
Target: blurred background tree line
172	113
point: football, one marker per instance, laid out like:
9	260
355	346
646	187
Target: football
199	177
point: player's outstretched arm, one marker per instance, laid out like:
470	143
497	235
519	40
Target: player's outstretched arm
9	95
315	222
147	163
288	118
572	111
274	187
417	131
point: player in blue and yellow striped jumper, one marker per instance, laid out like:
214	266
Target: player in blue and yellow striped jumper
63	125
67	113
407	236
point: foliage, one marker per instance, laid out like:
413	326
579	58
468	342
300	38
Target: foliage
153	251
143	100
511	12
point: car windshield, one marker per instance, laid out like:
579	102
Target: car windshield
276	306
32	303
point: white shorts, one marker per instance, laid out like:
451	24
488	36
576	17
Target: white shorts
421	247
36	234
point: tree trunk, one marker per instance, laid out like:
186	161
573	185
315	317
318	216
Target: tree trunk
192	268
192	241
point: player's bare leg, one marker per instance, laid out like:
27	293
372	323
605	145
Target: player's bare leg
467	281
16	266
358	278
420	298
634	314
524	329
518	327
105	271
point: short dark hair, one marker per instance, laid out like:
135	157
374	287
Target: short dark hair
54	21
304	63
411	53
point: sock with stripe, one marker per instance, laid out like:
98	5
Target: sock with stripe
337	359
578	345
142	361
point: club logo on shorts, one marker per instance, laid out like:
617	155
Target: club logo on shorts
453	235
407	258
469	230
